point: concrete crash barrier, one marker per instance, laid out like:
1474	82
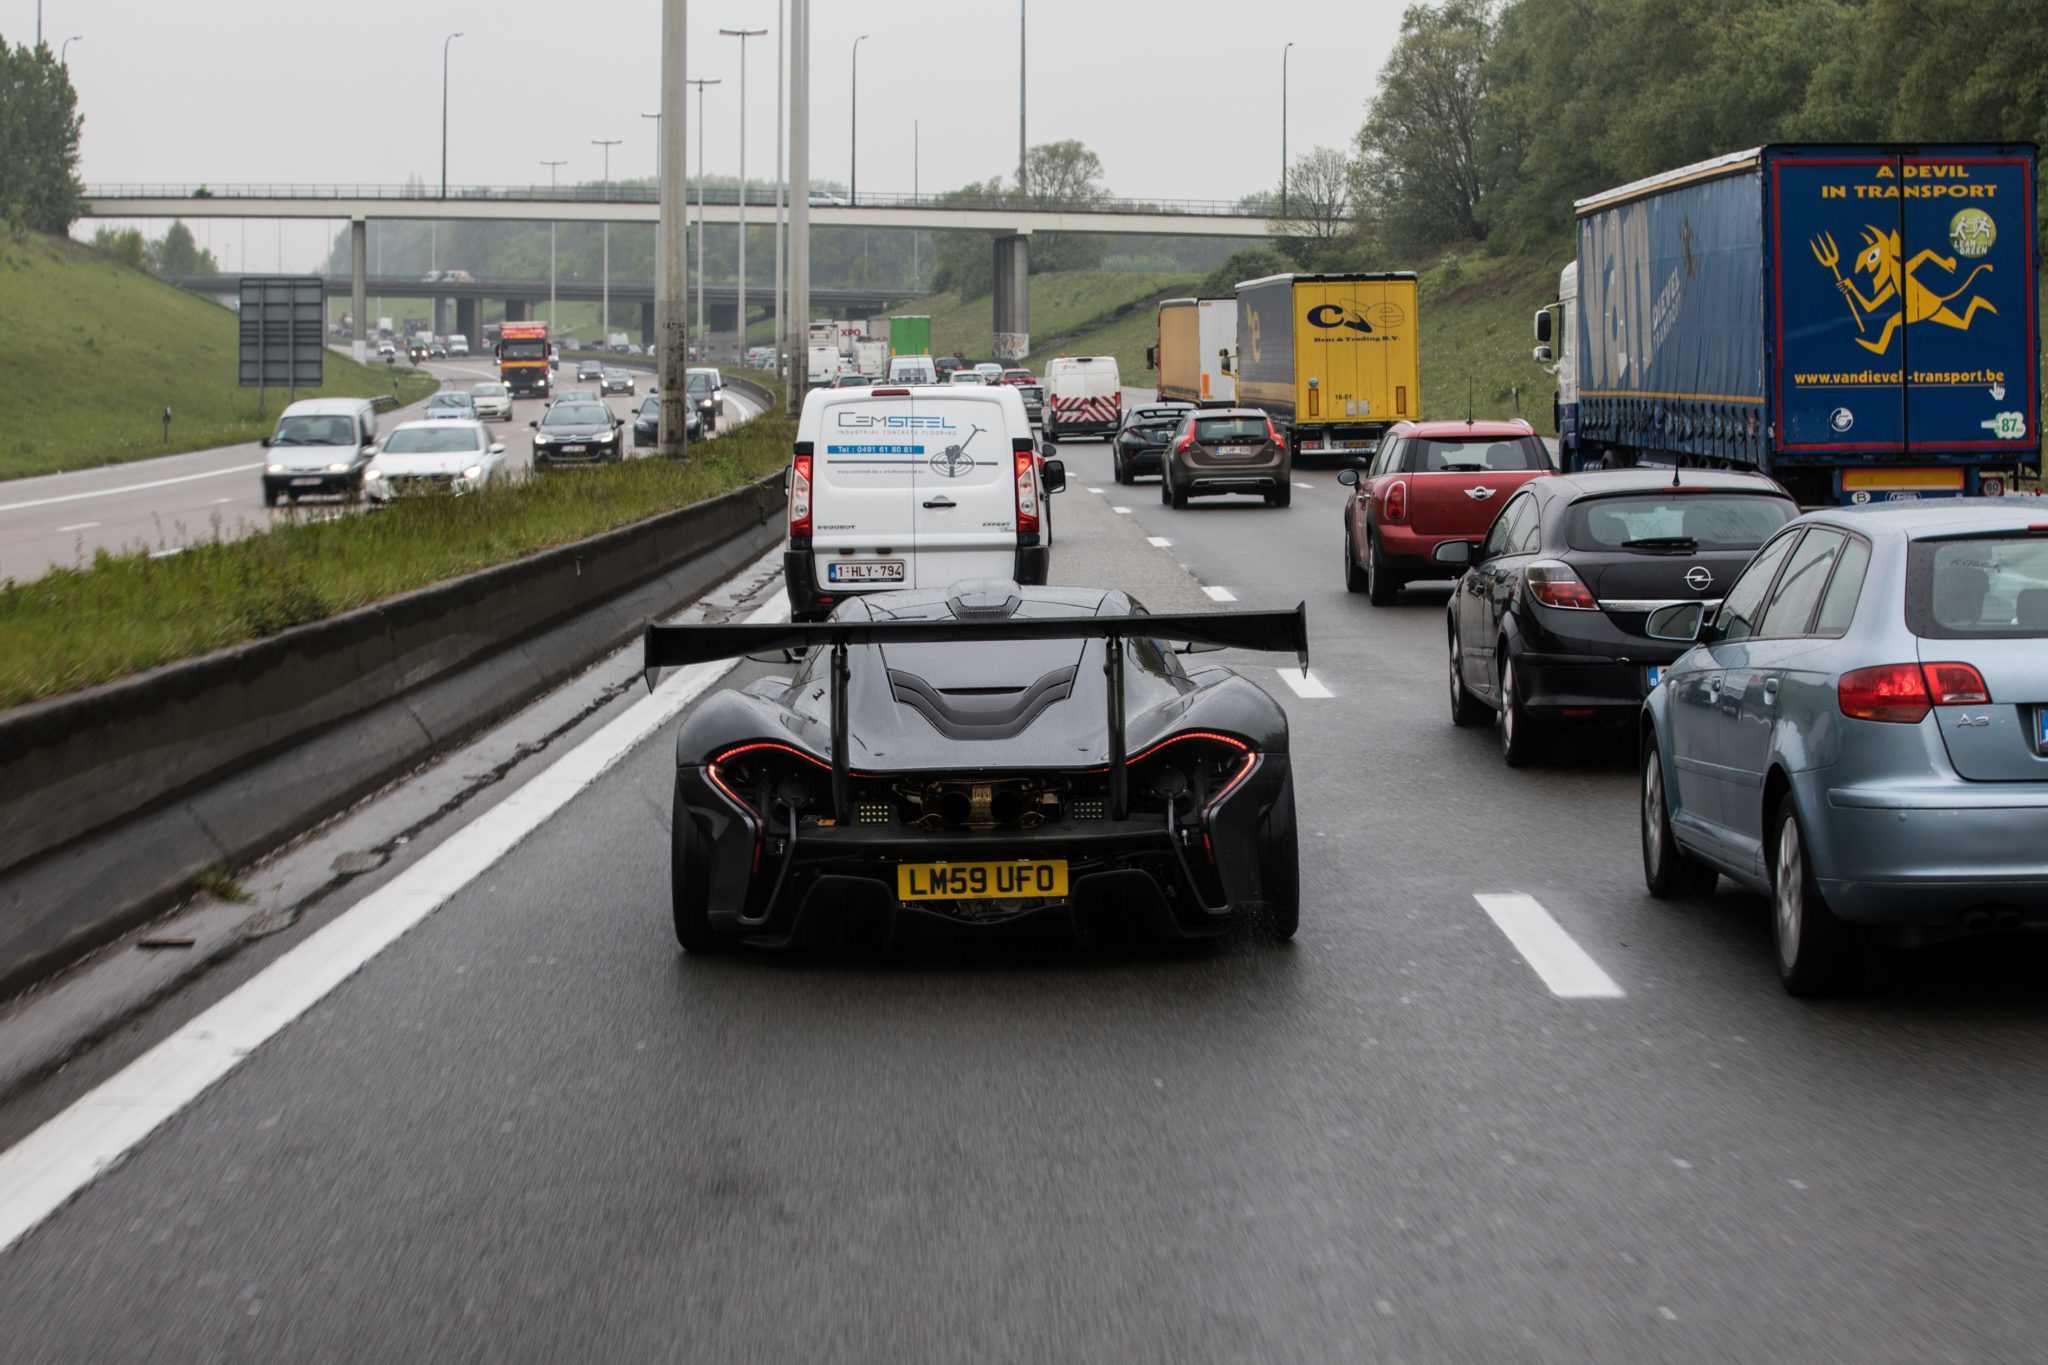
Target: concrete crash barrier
114	801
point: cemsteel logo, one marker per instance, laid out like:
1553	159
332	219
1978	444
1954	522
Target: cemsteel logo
892	421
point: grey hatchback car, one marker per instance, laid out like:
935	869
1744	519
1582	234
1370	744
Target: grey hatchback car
1226	450
1861	731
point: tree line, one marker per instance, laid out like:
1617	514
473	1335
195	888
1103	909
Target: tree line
1492	116
39	126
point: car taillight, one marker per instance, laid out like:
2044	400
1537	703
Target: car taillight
800	496
1395	507
1272	433
1027	491
1553	584
1187	443
1888	692
1954	684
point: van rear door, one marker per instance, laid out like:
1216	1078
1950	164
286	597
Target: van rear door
863	530
965	503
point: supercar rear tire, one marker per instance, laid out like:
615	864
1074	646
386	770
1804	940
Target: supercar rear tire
1280	869
689	881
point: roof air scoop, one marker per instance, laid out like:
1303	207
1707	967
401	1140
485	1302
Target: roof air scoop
983	599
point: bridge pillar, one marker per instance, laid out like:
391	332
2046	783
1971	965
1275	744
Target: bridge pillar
1013	297
723	320
358	301
647	332
465	323
440	323
516	310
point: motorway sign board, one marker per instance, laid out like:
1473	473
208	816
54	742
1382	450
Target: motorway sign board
284	341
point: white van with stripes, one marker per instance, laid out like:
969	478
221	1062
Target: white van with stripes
914	487
1084	395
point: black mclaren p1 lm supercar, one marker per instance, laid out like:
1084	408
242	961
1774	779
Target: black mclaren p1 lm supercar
979	756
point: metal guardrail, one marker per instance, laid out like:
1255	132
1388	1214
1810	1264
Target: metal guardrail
757	197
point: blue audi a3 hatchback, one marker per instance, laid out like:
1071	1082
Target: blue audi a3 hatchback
1860	731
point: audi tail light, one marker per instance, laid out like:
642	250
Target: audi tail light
800	496
1954	684
1888	692
1553	584
1903	694
1395	508
1027	491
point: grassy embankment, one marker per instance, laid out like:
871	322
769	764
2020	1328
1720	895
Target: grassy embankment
121	614
94	352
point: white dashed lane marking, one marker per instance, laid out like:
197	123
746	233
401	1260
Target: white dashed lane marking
1551	953
1309	486
81	526
1096	491
1121	511
1220	594
1305	684
1159	542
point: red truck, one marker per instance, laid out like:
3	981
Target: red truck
1430	482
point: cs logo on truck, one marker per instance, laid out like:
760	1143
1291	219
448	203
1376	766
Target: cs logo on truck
1355	316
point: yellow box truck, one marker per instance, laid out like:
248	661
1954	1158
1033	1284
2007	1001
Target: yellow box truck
1332	359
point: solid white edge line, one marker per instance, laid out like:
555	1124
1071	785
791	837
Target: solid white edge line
42	1172
1566	968
128	488
1306	685
1219	594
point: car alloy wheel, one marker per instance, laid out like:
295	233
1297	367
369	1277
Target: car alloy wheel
1465	708
1668	871
1380	586
1518	736
1812	943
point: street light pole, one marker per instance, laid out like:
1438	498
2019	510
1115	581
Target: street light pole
799	191
672	236
444	111
1283	127
65	47
703	333
551	165
1021	188
781	191
742	34
853	123
660	124
604	311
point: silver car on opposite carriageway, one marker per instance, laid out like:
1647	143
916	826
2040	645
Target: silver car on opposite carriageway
1861	732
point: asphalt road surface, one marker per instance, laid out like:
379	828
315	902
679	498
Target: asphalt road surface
1560	1123
157	506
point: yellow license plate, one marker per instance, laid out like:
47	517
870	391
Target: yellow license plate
981	881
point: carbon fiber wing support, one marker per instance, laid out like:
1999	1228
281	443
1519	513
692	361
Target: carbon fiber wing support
1281	632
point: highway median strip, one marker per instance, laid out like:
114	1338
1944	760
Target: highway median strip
121	614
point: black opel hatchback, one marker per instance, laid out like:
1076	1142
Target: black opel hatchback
1546	626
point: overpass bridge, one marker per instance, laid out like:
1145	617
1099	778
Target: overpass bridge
522	297
1009	220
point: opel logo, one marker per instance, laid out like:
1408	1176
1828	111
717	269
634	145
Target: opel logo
1479	494
1698	579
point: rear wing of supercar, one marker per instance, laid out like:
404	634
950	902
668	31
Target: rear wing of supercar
1284	632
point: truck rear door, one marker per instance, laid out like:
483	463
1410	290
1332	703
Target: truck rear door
1356	340
1903	305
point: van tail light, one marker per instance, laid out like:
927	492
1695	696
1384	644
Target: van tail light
1955	685
800	496
1553	584
1396	506
1027	491
888	393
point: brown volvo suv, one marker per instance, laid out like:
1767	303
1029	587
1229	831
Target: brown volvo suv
1226	450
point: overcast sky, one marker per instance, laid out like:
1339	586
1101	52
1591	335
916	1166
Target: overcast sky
1180	98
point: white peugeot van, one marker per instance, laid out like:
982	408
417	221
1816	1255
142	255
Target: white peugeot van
1083	394
913	487
321	446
